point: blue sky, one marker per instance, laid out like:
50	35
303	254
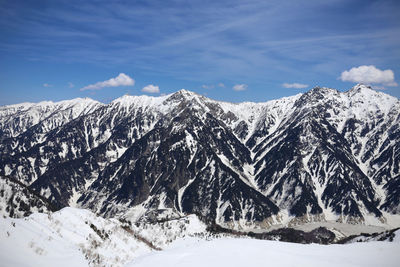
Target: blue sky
50	50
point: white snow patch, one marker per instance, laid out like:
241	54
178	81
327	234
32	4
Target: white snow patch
74	198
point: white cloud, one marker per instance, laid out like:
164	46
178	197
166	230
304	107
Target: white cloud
369	75
295	85
47	85
240	87
71	85
151	89
121	80
221	85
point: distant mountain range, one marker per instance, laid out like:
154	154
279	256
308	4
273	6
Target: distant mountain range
321	155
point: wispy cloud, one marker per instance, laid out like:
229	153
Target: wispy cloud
369	75
261	41
47	85
207	86
212	86
294	85
121	80
198	27
71	85
240	87
379	87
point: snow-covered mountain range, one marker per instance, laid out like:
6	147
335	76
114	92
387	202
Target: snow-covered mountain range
323	155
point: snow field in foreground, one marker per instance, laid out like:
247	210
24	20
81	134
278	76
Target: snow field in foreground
249	252
75	237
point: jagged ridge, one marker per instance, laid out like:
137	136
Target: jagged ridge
320	155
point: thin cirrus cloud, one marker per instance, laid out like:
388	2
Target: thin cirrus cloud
378	87
152	89
240	87
207	86
295	85
369	75
235	45
121	80
212	86
47	85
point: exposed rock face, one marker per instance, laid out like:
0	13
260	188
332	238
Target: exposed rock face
320	155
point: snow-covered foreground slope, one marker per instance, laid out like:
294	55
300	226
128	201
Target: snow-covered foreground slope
250	252
70	237
76	237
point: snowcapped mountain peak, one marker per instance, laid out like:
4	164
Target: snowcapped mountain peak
322	91
185	92
317	96
361	90
189	99
142	100
364	96
78	100
361	86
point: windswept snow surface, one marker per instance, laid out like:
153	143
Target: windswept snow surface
249	252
